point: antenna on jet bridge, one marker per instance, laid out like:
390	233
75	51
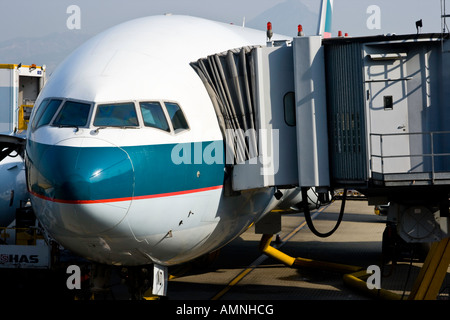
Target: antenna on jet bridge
419	25
444	15
444	27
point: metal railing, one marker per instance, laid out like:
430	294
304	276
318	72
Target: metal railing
386	150
25	236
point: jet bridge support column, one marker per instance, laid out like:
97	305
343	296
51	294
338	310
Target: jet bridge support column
311	112
433	272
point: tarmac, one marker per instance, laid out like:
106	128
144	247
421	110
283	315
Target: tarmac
242	272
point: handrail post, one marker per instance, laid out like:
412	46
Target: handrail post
381	154
432	157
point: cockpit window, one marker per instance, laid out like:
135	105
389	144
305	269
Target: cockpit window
48	113
73	114
176	116
153	116
45	112
38	113
116	115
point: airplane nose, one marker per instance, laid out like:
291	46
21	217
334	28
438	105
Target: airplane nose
86	188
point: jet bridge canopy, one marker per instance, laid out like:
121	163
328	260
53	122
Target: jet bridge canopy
270	104
229	78
252	90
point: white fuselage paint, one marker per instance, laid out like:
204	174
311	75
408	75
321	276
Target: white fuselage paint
13	191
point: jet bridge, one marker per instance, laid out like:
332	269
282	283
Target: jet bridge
364	113
389	130
255	92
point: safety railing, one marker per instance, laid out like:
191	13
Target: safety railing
20	236
417	154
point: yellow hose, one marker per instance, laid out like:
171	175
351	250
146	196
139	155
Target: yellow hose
353	275
274	253
289	261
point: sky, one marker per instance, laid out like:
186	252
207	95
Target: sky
41	17
35	18
32	27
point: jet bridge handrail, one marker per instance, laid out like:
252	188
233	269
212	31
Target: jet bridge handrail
433	154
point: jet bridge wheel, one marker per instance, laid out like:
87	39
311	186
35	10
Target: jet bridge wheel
138	280
207	260
395	249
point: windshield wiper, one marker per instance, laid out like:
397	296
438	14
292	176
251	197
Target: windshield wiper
116	127
98	129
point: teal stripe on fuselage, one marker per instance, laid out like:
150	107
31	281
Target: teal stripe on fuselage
101	173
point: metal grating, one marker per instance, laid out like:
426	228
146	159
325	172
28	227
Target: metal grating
346	113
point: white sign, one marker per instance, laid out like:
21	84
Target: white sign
17	256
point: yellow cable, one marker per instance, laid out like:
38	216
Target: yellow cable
353	274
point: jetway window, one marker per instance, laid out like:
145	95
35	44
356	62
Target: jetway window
73	114
176	116
289	108
116	115
153	116
388	103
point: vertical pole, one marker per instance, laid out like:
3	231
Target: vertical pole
381	153
433	272
432	157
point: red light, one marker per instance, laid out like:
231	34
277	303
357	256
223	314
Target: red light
346	34
300	31
269	30
339	33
